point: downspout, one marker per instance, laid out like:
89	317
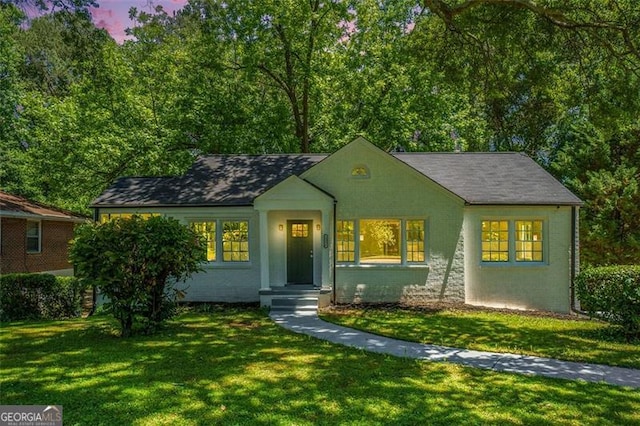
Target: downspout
94	293
335	253
572	290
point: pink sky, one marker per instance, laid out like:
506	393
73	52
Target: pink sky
113	15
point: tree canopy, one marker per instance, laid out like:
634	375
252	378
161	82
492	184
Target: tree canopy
557	80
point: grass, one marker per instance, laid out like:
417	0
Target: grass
566	338
234	366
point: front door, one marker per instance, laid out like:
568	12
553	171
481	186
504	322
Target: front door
299	252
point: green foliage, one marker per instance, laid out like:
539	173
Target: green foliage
40	296
136	263
612	293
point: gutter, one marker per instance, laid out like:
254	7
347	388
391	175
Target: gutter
335	253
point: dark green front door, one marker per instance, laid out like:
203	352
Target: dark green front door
299	252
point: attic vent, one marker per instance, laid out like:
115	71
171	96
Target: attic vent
360	171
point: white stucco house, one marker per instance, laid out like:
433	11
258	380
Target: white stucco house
365	226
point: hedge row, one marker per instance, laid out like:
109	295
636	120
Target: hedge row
613	294
39	296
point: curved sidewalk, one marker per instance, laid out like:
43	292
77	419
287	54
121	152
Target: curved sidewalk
310	324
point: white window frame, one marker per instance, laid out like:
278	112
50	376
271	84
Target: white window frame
39	236
219	221
512	241
403	243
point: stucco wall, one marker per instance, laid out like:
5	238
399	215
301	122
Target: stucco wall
220	281
521	285
394	190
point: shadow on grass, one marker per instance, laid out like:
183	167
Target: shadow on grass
571	340
237	367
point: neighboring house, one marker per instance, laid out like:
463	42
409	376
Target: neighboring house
34	237
364	225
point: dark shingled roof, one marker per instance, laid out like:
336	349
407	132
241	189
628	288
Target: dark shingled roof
492	177
236	180
215	180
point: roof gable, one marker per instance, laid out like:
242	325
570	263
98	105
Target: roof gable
236	180
15	206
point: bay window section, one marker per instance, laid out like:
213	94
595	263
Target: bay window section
380	241
495	241
345	241
208	231
415	240
529	241
235	241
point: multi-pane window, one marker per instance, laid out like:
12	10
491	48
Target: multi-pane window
299	230
235	241
380	241
415	240
529	241
345	241
33	236
208	231
512	241
495	241
106	217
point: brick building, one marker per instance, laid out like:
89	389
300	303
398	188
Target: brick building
34	237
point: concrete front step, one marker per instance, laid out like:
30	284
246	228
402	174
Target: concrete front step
294	304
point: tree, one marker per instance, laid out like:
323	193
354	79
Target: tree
136	263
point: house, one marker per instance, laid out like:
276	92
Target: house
34	237
364	225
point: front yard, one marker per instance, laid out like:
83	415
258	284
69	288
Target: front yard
560	336
234	366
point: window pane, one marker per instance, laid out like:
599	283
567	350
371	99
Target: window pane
33	237
415	241
529	241
235	241
380	241
208	232
345	241
495	241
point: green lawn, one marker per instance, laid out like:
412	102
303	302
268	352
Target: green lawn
564	338
235	366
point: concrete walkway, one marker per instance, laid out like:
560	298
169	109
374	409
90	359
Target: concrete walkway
310	324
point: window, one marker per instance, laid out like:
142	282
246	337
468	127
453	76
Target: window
235	241
299	230
495	241
208	231
106	217
345	241
34	233
512	241
360	171
529	241
415	241
380	241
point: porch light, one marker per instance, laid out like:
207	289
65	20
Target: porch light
280	227
317	226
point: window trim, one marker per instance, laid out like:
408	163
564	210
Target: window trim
219	236
39	237
404	262
511	220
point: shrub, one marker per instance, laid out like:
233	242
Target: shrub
39	296
613	294
131	261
